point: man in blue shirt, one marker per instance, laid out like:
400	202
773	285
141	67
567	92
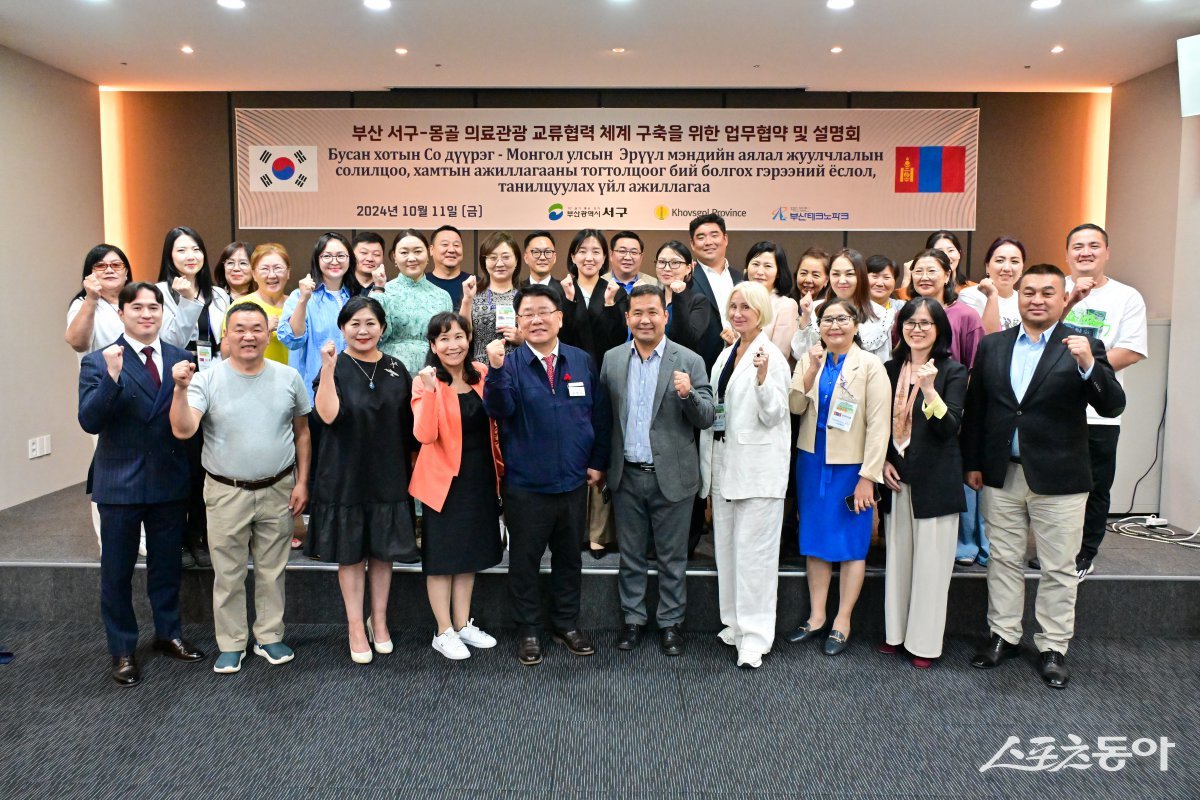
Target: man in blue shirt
554	432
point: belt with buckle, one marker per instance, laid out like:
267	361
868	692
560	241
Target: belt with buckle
260	483
640	466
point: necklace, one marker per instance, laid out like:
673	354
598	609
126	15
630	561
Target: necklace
370	378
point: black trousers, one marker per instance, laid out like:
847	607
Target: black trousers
120	530
195	534
535	521
1102	448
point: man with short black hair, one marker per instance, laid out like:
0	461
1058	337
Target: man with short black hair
256	453
446	253
370	273
712	277
139	476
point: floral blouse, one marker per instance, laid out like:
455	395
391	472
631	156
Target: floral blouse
409	306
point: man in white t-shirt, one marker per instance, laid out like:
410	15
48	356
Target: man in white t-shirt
1114	313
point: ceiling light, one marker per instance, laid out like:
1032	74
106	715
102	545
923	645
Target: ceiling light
835	49
618	50
1042	5
186	49
401	51
838	5
1058	48
234	4
378	5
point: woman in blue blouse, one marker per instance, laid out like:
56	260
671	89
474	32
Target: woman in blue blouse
410	301
309	318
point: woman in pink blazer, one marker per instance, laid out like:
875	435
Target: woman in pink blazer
456	478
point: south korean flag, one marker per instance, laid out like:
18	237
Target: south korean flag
283	168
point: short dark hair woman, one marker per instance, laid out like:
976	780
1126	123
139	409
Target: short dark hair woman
92	320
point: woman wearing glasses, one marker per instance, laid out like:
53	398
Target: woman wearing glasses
233	272
924	471
271	268
493	315
842	393
410	301
933	276
92	319
688	312
311	312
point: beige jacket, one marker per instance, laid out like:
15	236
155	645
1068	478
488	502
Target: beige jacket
864	381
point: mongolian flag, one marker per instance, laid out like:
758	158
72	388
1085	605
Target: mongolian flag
931	169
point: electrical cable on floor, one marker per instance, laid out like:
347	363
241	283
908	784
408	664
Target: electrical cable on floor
1158	442
1151	528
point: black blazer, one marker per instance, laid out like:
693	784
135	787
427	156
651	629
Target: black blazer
932	462
1051	418
592	326
691	318
711	344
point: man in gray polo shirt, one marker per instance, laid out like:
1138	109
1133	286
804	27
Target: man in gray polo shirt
256	453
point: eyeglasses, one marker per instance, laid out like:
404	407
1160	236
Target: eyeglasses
330	258
532	315
231	263
926	273
841	320
539	255
626	252
104	266
500	259
918	325
278	269
666	264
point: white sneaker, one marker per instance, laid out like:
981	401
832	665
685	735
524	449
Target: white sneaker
726	636
142	547
475	637
448	644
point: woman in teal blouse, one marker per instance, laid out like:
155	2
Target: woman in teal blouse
410	302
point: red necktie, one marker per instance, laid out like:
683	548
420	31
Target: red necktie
550	369
155	378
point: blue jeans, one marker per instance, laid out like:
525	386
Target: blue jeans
972	540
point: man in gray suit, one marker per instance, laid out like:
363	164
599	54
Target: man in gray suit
660	396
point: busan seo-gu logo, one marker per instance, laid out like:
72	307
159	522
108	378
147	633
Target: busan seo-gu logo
555	212
283	168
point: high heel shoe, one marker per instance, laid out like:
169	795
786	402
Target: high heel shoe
364	657
383	648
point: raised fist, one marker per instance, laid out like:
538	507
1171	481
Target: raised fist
1082	288
429	377
568	287
328	355
610	293
678	286
816	354
184	287
114	357
379	276
1081	350
182	374
683	383
926	374
469	289
495	353
307	286
728	335
986	287
760	362
91	287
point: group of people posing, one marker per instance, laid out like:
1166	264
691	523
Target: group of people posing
609	409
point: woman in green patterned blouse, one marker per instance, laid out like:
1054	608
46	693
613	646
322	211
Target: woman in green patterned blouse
410	302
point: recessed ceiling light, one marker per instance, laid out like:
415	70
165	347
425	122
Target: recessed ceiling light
234	4
378	5
838	5
1042	5
1058	48
835	49
401	51
187	49
618	50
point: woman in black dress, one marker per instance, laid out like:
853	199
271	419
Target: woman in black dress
363	401
456	478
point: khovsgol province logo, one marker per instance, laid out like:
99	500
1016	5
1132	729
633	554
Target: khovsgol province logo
555	212
662	212
283	168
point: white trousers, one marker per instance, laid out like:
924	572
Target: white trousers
746	541
920	561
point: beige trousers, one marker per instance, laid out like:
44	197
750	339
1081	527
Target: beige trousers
1056	521
241	523
599	517
920	560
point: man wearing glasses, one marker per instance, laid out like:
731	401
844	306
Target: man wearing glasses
554	432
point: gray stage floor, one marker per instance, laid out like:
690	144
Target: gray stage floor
56	529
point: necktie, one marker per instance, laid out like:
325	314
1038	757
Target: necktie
155	378
549	369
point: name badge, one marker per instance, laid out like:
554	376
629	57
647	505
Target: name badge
575	389
719	420
841	415
506	316
204	358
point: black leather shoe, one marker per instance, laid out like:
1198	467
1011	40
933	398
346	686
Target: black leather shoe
203	560
529	649
576	641
836	643
804	633
178	649
670	640
995	651
1054	669
630	636
125	671
187	560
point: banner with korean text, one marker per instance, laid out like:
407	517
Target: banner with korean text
643	169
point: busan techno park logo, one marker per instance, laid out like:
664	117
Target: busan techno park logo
555	212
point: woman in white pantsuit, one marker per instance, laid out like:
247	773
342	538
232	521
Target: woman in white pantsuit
744	469
923	470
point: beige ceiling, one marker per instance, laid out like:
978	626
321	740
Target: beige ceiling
889	45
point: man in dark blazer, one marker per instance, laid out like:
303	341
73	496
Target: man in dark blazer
713	277
1025	445
660	395
139	477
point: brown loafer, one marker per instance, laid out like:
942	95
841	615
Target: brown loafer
178	649
576	641
529	650
125	671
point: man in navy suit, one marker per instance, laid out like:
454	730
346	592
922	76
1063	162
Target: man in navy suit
714	278
138	477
